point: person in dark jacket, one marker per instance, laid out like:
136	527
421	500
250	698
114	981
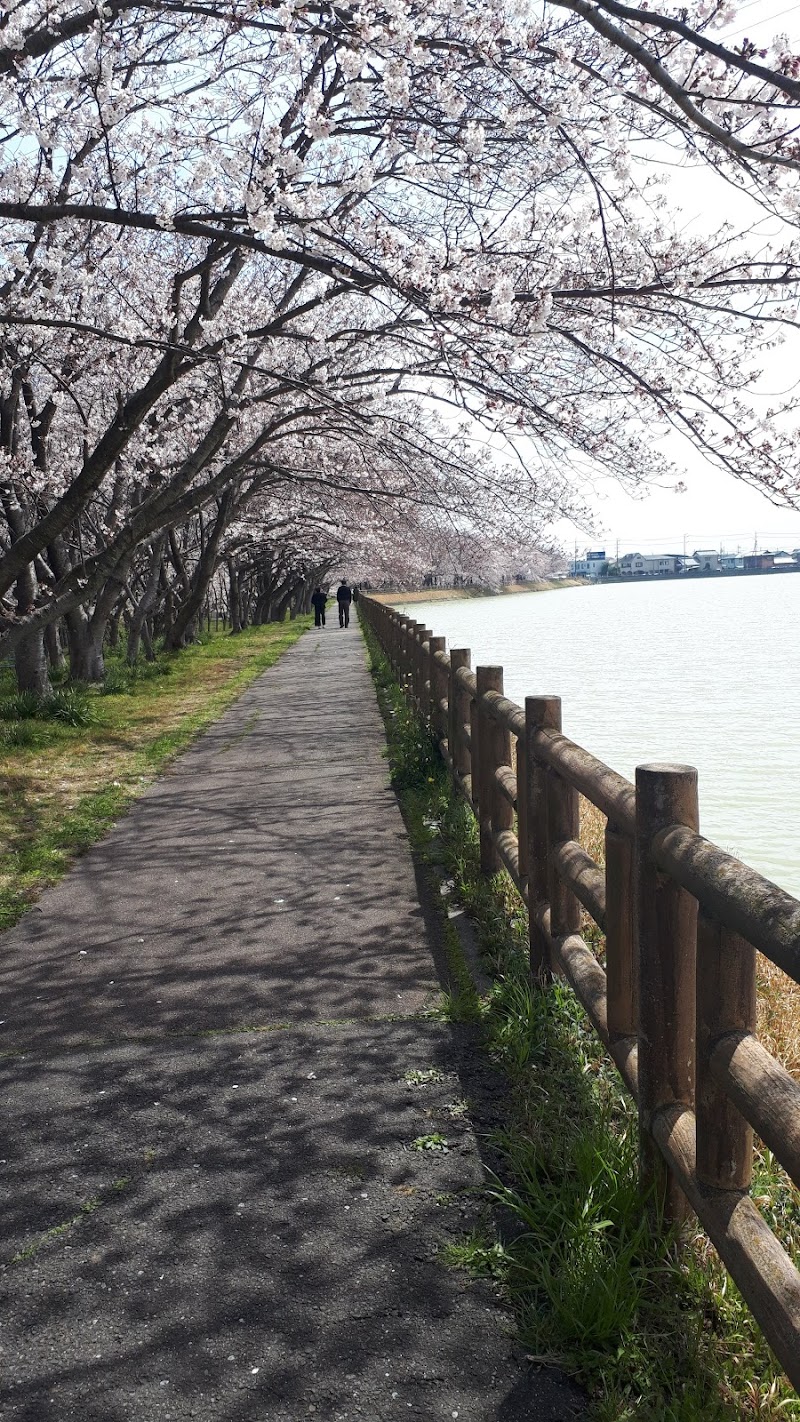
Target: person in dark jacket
344	597
318	601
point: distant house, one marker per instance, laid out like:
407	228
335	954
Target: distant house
658	565
632	565
707	559
731	562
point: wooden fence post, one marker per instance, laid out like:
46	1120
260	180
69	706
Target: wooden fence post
414	663
622	975
493	750
409	667
726	1003
666	931
521	771
402	653
487	680
425	674
458	716
438	689
541	713
563	826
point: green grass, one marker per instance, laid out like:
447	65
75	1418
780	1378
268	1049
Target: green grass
70	766
649	1323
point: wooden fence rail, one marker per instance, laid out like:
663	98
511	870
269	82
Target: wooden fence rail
675	1003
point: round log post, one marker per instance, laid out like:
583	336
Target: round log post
409	664
475	753
726	1003
425	674
666	930
541	713
402	652
458	718
488	679
521	772
563	825
415	662
622	974
501	810
438	689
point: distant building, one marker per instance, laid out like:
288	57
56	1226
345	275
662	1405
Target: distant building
758	562
659	565
731	562
591	565
707	559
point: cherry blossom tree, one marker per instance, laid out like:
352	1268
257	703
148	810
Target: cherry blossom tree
247	249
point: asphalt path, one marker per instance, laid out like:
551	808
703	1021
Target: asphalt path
217	1076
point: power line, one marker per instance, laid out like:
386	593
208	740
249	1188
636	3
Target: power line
692	541
770	19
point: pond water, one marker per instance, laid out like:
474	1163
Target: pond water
705	673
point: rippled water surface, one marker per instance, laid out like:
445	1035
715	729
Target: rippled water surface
704	673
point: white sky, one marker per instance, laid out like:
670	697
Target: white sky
715	509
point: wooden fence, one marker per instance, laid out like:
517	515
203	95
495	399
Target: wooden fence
676	1003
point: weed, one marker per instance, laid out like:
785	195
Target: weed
434	1141
87	1208
423	1076
478	1255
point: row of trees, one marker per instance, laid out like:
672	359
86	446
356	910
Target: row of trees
361	287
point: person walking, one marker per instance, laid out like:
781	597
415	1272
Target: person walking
344	597
318	601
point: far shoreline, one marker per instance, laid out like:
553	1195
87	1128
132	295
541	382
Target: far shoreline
462	594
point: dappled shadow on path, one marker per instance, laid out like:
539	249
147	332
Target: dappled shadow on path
204	1221
272	1243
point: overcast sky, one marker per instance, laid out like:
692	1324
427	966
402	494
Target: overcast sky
715	508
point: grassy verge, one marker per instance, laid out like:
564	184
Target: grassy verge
66	778
653	1328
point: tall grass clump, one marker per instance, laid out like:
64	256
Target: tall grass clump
69	704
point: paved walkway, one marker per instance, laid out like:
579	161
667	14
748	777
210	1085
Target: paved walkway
211	1204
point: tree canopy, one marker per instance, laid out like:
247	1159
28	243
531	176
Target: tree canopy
290	287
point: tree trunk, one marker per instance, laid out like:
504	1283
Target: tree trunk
53	648
30	661
86	662
147	638
234	595
146	601
186	617
30	665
